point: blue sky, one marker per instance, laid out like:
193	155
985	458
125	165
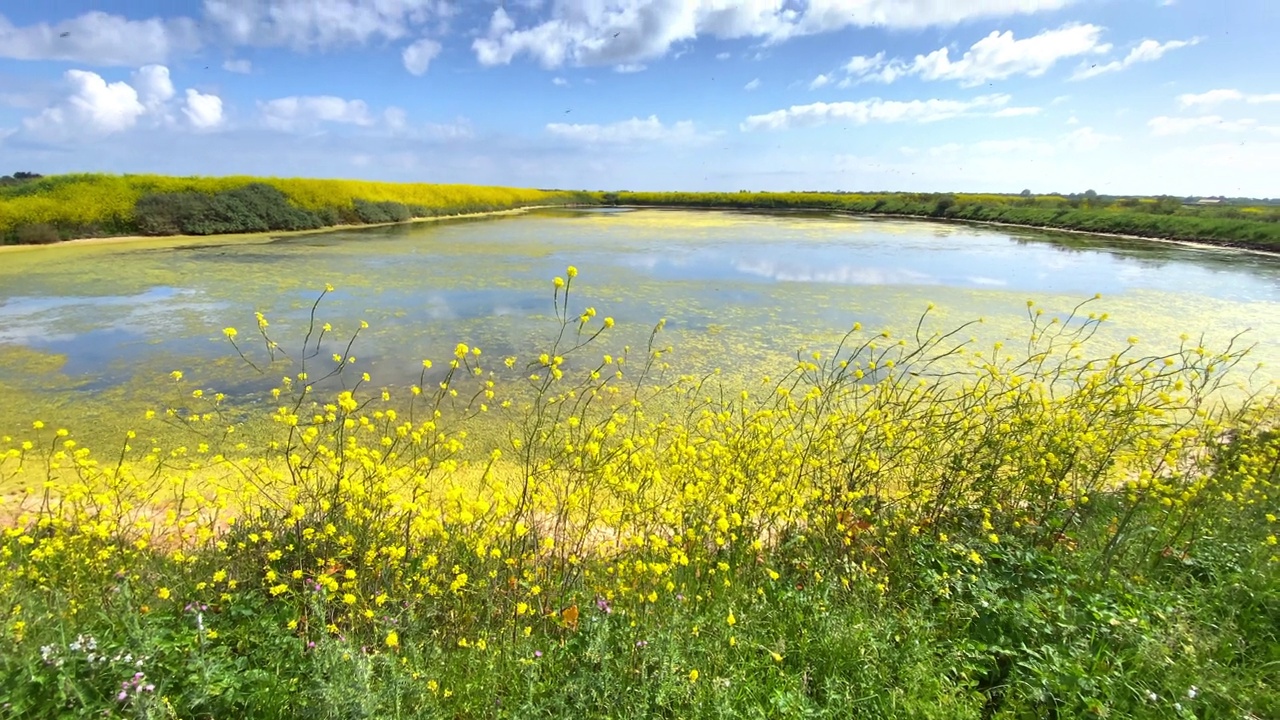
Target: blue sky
1122	96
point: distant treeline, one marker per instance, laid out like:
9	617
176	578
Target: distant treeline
35	209
1163	217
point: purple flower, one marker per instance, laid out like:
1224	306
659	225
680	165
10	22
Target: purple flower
122	696
537	653
642	643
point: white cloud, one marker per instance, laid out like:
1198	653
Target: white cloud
93	107
635	130
995	57
203	111
395	118
459	129
873	110
1146	51
1215	97
153	87
723	56
418	56
97	38
752	85
820	81
307	112
609	32
320	24
242	67
629	68
1164	126
1086	138
559	81
1017	112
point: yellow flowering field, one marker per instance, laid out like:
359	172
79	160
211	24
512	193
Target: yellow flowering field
896	526
86	205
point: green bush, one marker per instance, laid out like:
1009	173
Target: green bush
255	207
41	234
381	212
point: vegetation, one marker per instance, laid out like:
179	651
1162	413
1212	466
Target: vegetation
35	209
1255	226
897	527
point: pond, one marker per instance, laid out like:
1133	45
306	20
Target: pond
85	327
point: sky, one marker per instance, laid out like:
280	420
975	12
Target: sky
1120	96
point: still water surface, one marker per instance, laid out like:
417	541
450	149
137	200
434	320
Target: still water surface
741	291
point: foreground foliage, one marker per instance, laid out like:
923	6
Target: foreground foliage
1165	218
61	207
902	527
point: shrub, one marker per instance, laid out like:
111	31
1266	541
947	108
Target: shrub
38	234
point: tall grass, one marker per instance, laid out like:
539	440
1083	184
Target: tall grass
900	527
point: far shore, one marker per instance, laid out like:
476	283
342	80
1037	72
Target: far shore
269	235
1203	244
179	240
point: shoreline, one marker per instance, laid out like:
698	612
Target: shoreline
109	240
1198	244
1201	244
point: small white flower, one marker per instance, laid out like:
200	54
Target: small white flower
1192	692
1152	697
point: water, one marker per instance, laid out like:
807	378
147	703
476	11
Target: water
742	292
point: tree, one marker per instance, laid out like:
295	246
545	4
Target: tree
1025	193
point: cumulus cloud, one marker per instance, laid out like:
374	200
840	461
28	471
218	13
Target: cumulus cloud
1146	51
319	24
559	82
153	87
418	56
995	57
820	81
873	110
611	32
93	108
1216	97
635	130
241	67
203	112
752	85
98	38
1164	126
308	112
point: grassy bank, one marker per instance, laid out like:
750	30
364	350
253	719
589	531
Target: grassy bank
1167	218
51	209
1060	530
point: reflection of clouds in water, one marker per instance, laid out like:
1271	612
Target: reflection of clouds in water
842	275
29	320
28	333
438	308
989	282
651	261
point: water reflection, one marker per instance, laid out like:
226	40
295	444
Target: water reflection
739	289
